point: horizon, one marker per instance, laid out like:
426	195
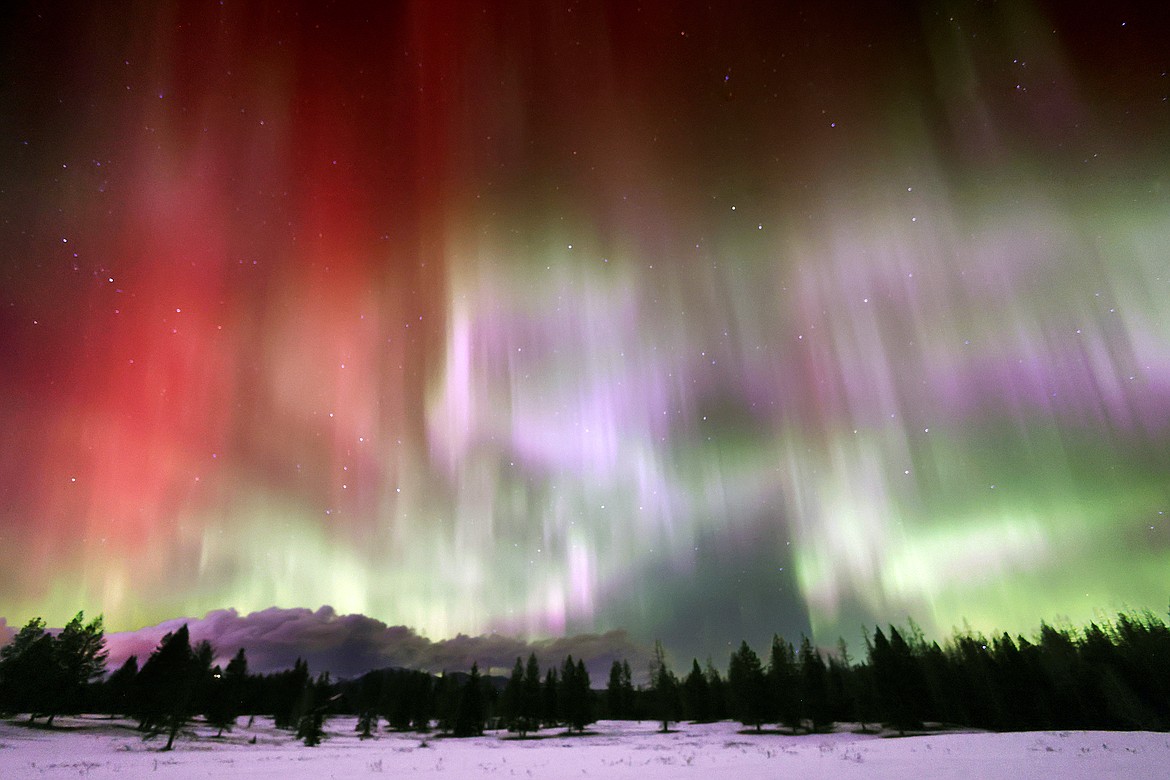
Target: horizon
694	324
350	645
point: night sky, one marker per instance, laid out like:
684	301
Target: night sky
549	318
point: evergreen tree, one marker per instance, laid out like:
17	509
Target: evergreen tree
288	695
619	691
613	692
549	693
79	657
1143	646
943	683
696	695
166	686
469	714
26	663
814	687
900	685
225	692
585	691
217	710
235	684
530	699
313	709
120	687
1017	684
975	684
397	699
203	655
1116	704
448	692
716	692
513	702
745	677
629	693
1061	662
422	688
663	689
574	695
784	685
842	701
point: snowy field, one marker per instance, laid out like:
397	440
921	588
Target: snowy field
92	747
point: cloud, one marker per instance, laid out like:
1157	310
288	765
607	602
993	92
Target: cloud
350	645
7	632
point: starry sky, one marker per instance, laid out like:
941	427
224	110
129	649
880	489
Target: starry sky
538	318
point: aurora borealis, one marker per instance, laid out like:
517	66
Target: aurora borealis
545	318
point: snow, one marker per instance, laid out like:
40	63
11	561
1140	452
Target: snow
99	747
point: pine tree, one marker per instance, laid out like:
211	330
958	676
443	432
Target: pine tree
627	687
202	655
469	714
79	657
901	688
619	691
513	702
395	701
422	687
25	664
574	695
224	698
288	693
814	686
235	683
1143	646
120	687
784	685
567	692
696	695
745	677
663	689
313	708
166	686
530	700
716	692
585	692
549	693
448	692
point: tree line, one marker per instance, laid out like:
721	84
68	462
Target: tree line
1109	675
1112	675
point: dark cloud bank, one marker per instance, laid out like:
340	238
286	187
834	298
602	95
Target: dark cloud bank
350	645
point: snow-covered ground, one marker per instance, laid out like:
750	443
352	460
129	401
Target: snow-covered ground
93	747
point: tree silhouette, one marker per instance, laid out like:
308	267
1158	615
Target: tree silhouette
313	709
663	689
530	699
901	687
814	687
784	685
288	695
574	695
697	694
549	692
120	687
167	685
745	677
619	691
469	713
226	692
26	664
78	657
716	692
512	704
